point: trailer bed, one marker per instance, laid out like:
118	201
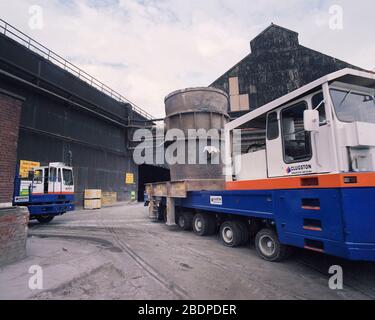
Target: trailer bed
337	221
180	189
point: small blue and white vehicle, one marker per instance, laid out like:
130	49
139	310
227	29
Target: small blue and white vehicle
48	191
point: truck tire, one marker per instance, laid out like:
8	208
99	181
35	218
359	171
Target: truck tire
245	232
44	219
231	234
162	213
204	224
269	247
185	221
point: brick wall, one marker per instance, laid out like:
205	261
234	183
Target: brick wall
10	112
13	234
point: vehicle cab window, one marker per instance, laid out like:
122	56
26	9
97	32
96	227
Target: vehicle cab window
52	175
353	106
272	126
318	103
38	176
296	141
68	177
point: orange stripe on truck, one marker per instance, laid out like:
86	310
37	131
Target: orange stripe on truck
341	180
59	193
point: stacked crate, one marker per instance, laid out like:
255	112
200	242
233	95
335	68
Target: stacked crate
93	199
109	198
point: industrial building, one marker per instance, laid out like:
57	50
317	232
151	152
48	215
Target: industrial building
276	65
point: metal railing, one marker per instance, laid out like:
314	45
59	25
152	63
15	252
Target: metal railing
17	35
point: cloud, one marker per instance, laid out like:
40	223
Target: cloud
147	48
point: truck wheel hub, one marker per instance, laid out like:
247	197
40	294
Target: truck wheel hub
227	234
267	245
198	224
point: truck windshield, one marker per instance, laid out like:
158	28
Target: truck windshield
38	176
352	107
68	177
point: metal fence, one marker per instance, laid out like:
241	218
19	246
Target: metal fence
17	35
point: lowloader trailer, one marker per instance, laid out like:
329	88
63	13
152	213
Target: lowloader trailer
311	184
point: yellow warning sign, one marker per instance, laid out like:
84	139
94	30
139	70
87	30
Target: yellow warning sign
26	166
129	178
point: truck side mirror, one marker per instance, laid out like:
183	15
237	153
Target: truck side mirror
311	120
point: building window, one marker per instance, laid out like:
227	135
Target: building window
318	101
238	102
234	89
296	141
244	102
272	126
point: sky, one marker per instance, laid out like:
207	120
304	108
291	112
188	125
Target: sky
145	49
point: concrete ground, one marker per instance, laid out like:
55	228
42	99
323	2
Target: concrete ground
118	253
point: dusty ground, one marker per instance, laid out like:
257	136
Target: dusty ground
117	253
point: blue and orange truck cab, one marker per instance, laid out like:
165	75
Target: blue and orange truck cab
310	184
47	191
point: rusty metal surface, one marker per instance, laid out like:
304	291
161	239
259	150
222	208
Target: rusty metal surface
196	108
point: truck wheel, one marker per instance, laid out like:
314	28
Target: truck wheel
162	213
44	219
269	247
231	234
245	232
203	224
185	221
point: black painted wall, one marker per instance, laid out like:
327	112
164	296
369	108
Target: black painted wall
51	127
150	174
277	65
